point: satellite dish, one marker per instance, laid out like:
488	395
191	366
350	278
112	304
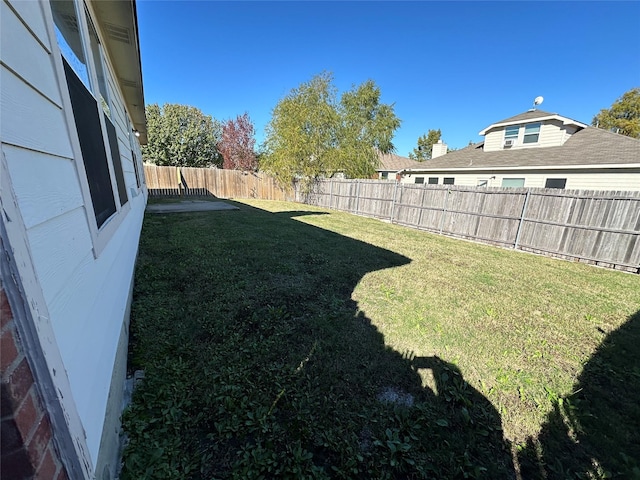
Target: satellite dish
538	100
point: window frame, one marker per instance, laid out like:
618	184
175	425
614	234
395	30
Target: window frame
563	187
529	135
511	136
449	180
431	182
101	236
502	185
418	180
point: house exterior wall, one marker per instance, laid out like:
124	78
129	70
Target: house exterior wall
552	134
84	274
626	179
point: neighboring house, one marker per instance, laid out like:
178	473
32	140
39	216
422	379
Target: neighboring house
391	163
72	201
538	149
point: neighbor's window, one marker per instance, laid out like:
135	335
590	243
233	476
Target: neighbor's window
555	183
483	182
511	132
384	175
419	180
531	133
513	182
433	180
448	180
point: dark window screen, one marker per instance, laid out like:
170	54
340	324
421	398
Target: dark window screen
555	183
419	180
135	167
117	161
94	155
433	180
448	181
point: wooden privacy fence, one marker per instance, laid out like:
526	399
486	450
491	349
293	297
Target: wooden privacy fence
188	181
597	227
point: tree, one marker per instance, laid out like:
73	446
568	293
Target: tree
367	127
623	116
181	135
425	145
312	134
237	144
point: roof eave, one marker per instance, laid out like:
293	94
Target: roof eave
564	120
599	166
125	56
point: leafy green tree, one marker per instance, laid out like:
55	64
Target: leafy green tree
181	135
367	127
623	116
425	145
312	134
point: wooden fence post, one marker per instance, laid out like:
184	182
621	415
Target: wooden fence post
331	194
393	200
357	196
524	209
421	207
444	209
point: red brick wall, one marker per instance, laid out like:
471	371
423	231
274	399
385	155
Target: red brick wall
27	446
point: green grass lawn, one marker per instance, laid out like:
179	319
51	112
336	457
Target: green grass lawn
287	341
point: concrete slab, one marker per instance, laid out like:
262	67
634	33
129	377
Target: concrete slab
189	206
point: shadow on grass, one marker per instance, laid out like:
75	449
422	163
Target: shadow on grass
595	433
260	365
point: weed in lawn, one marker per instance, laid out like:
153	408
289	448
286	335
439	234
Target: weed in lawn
267	338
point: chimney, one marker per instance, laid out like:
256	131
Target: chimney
438	149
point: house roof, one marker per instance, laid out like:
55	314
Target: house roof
390	162
532	116
589	147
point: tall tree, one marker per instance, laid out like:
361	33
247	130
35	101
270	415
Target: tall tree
312	134
623	116
181	135
425	146
237	144
367	127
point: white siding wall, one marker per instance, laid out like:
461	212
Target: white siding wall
629	180
86	297
552	133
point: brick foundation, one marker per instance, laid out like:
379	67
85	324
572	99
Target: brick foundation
28	450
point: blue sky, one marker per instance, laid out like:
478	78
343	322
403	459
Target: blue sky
457	66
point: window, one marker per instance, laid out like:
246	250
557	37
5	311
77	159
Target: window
448	181
511	132
91	112
483	182
384	175
555	183
513	182
419	180
531	133
85	113
69	40
433	180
